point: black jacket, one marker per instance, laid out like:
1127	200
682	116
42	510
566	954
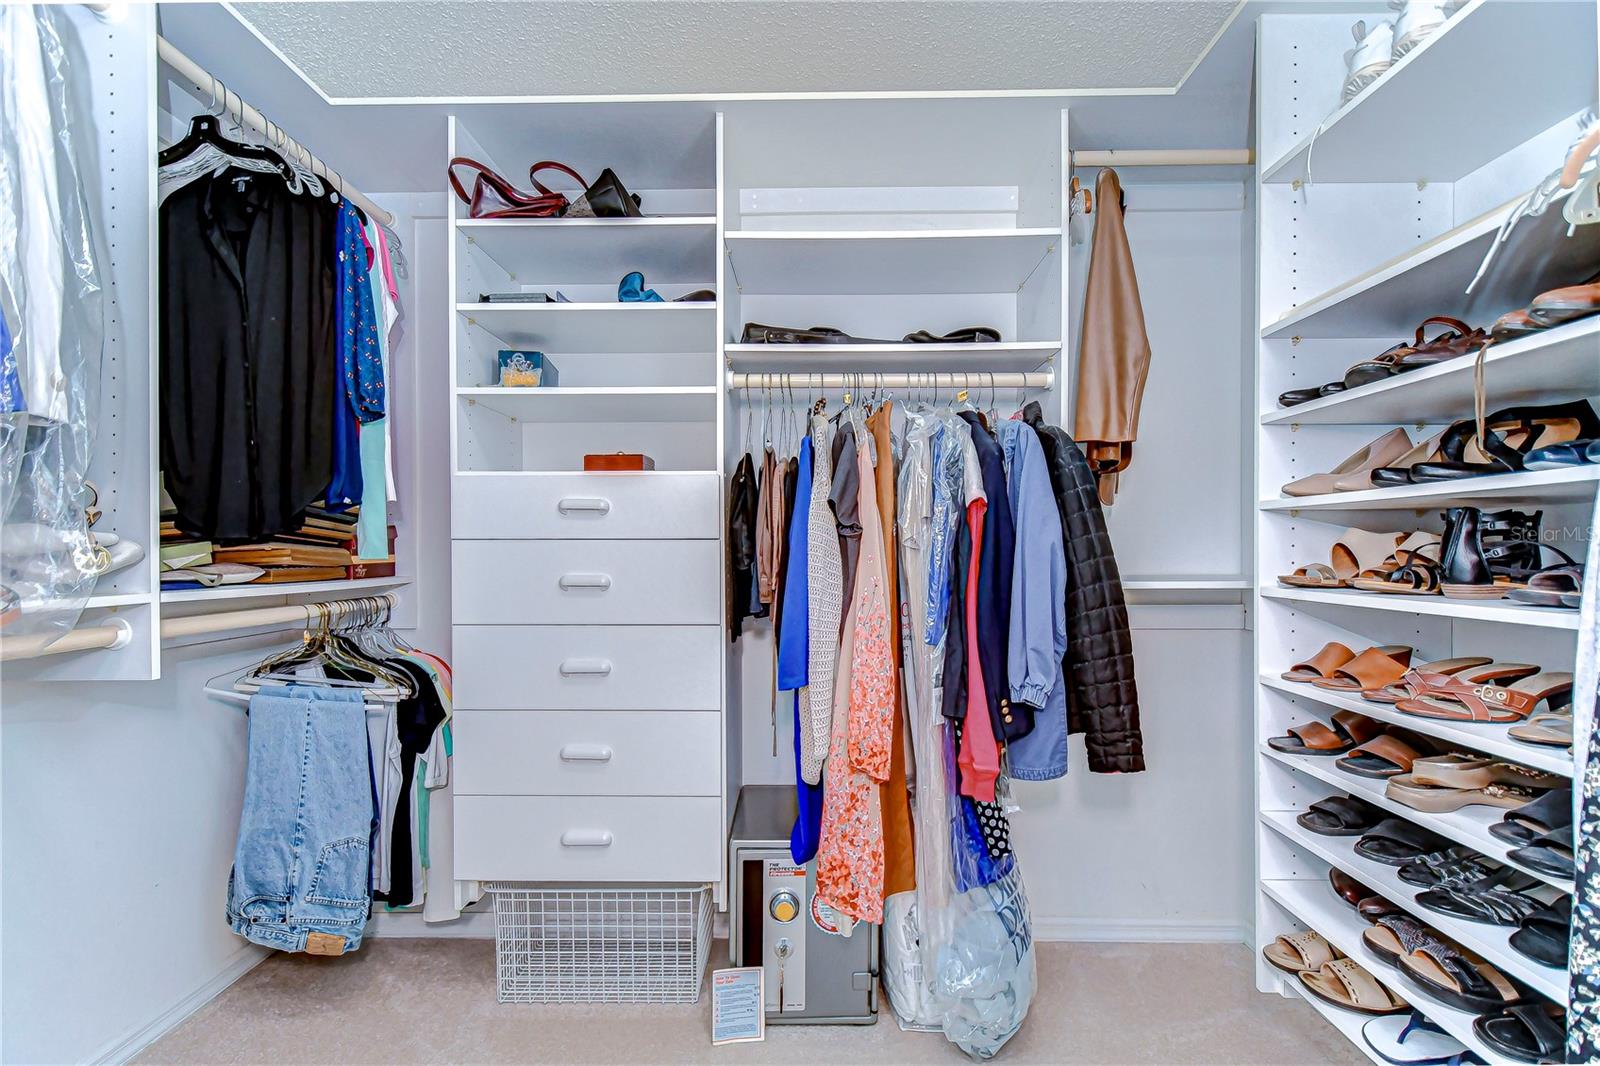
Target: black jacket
1102	698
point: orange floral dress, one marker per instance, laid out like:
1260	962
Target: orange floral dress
850	858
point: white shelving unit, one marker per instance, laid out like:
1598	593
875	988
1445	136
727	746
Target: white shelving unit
1390	230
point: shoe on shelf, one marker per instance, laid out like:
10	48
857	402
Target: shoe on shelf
1381	452
1429	451
1372	55
1566	305
1416	21
1355	553
1487	553
1513	433
1557	456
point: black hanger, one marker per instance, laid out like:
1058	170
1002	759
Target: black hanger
205	129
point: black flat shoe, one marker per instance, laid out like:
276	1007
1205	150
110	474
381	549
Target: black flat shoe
756	333
1535	1031
969	335
1544	935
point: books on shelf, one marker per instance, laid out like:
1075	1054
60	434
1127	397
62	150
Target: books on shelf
284	574
284	553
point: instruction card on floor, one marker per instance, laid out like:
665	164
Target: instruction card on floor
737	996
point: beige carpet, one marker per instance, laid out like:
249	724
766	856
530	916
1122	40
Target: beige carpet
404	1001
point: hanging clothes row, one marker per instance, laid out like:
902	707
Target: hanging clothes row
279	304
349	735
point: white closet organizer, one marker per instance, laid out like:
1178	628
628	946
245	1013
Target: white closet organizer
1408	184
576	592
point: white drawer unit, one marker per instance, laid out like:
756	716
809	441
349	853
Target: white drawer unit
587	582
588	838
616	668
587	753
586	506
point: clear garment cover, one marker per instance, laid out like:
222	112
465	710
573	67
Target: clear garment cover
52	332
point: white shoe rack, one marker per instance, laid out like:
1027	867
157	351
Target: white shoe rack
1408	184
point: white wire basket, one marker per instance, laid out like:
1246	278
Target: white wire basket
600	945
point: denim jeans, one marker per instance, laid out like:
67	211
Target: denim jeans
301	870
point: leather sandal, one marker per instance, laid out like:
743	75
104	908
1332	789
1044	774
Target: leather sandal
1344	983
1413	569
1381	757
1381	452
1459	340
1396	841
1314	738
1394	936
1514	324
1453	867
756	333
1459	978
1456	770
1552	729
1533	1031
1551	854
1340	816
1461	665
1436	799
1299	952
1488	906
1373	668
1455	700
1544	935
1550	812
1332	656
1550	587
1498	444
1355	552
1378	367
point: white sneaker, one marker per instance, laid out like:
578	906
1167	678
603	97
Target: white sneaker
1369	58
1418	19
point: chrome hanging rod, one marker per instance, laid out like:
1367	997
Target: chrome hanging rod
1164	157
117	632
944	379
206	82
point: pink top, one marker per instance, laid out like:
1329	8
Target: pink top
979	757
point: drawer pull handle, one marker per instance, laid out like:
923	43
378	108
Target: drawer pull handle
586	753
586	838
592	504
575	667
585	581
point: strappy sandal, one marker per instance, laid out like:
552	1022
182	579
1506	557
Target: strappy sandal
1332	656
1543	936
1476	771
1459	340
1381	757
1416	570
1299	952
1314	738
1340	816
1452	867
1473	669
1551	729
1373	668
1396	841
1551	854
1433	799
1355	552
1344	983
1397	935
1487	906
1460	979
1550	587
1457	701
1535	1031
1528	823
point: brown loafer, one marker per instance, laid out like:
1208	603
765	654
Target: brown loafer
1563	305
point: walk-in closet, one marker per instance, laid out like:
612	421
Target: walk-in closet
1052	531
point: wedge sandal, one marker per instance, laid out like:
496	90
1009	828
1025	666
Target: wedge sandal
1434	799
1373	668
1476	771
1332	656
1459	701
1535	1031
1345	983
1472	669
1458	978
1357	551
1314	738
1340	816
1381	757
1299	952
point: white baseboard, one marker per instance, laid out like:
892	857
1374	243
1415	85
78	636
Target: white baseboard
130	1045
1137	931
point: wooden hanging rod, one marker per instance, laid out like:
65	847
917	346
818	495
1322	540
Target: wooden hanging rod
976	379
1164	157
117	632
206	82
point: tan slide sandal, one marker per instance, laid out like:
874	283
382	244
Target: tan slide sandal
1476	771
1299	952
1355	552
1345	983
1403	690
1381	452
1431	799
1332	656
1458	701
1552	728
1373	668
1413	572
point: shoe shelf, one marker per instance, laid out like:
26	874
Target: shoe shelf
1469	826
1391	298
1574	484
622	403
597	250
1453	103
1504	611
887	262
1017	356
1485	737
598	327
1490	941
1315	905
1549	367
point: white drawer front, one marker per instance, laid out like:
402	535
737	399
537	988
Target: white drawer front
588	838
586	506
587	582
587	753
607	668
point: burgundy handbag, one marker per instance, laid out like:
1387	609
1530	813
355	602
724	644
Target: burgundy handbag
495	197
606	198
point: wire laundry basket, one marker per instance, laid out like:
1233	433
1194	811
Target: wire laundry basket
600	945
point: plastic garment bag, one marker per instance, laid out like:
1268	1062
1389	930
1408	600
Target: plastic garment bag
985	975
50	343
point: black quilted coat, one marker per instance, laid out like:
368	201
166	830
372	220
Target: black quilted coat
1102	698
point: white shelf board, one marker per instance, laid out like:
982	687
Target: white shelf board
1392	298
1469	826
1454	103
1575	484
1184	583
1487	737
1547	367
235	595
1490	941
1505	611
1317	907
599	250
682	403
1020	356
886	262
599	327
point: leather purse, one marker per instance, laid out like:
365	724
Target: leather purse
495	197
606	198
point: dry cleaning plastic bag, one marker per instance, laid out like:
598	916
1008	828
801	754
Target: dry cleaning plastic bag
985	973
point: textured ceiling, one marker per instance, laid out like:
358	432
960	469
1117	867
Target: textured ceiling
548	48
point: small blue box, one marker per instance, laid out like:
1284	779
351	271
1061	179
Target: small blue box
519	369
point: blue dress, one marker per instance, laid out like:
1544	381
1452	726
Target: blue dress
794	655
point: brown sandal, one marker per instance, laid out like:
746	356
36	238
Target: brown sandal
1314	738
1332	656
1373	668
1381	757
1403	690
1356	552
1459	701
